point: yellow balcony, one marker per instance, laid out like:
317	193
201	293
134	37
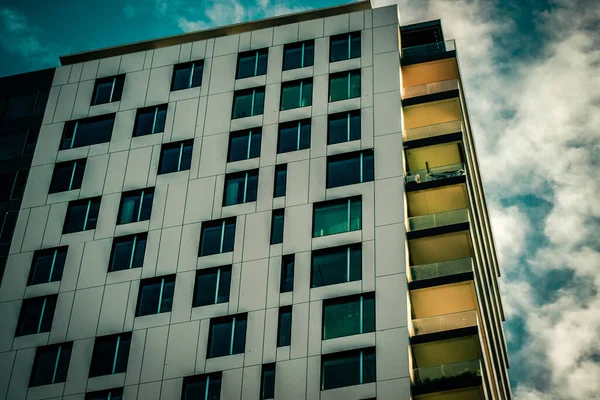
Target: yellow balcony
437	199
436	301
429	88
432	119
435	173
434	158
447	322
427	131
440	269
427	51
447	376
471	393
438	220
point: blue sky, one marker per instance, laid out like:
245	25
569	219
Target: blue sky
532	81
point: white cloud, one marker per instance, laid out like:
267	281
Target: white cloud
190	26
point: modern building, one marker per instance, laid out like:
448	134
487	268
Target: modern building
288	208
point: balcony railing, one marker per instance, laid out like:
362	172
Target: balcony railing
427	131
438	219
435	173
443	268
428	49
463	373
446	322
429	88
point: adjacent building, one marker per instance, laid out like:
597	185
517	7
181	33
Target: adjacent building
289	208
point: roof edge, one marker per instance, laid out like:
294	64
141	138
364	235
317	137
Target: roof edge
214	32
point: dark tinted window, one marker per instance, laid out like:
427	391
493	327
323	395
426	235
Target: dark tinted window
343	127
202	387
128	252
344	46
82	215
47	265
350	315
267	382
11	145
240	187
217	236
7	225
249	102
348	368
150	120
110	354
30	142
344	85
175	157
212	286
107	90
88	131
350	168
277	221
337	216
244	145
67	175
19	106
111	394
36	315
155	295
187	75
280	180
227	336
287	274
336	265
136	206
298	55
296	94
284	326
252	63
293	136
51	364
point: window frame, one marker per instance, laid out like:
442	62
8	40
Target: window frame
346	37
198	379
347	249
251	135
366	158
232	319
90	202
362	298
266	370
183	145
280	169
368	352
45	317
146	110
116	89
164	280
276	237
302	45
62	349
124	337
255	109
350	201
284	338
256	54
349	74
221	270
107	394
194	66
136	238
348	117
19	173
214	223
286	260
303	83
247	175
300	124
77	168
70	131
144	195
59	253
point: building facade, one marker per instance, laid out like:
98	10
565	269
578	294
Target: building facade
288	208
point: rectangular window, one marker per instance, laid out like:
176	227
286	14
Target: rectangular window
277	226
343	127
30	142
227	336
202	387
344	85
8	222
348	368
51	364
150	120
350	315
344	47
287	274
107	90
296	94
244	145
136	206
240	187
82	215
36	315
284	326
350	168
293	136
248	103
337	216
110	354
187	75
212	286
18	184
128	252
280	180
252	63
67	175
298	55
155	295
267	382
47	265
217	236
110	394
87	131
19	106
175	157
336	265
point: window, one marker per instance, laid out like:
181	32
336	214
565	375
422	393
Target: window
280	180
277	226
244	145
298	55
107	90
156	295
150	120
344	47
128	252
217	236
350	168
202	387
284	326
337	216
212	286
20	106
249	102
175	157
36	315
343	127
336	265
67	175
296	94
344	85
136	206
82	215
348	368
111	394
351	315
110	354
287	274
47	265
240	187
227	336
30	142
12	184
51	364
187	75
252	63
87	131
293	136
267	382
8	222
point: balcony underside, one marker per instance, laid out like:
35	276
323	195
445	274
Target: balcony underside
437	200
440	155
457	297
433	249
469	393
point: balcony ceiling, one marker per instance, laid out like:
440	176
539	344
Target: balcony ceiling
435	156
439	248
457	297
429	72
437	200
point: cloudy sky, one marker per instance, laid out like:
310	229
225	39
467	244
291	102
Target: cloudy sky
531	70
